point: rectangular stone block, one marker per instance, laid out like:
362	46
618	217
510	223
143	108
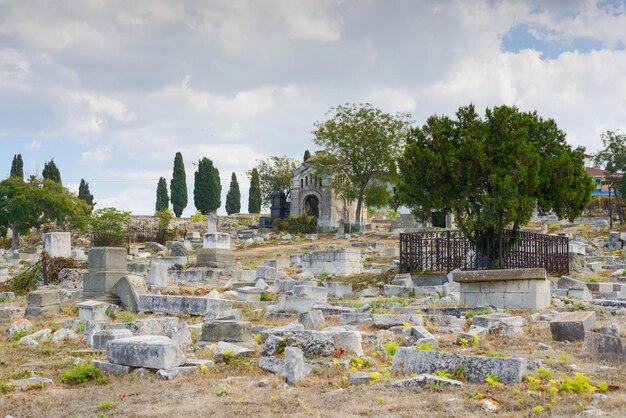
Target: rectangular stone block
181	305
101	338
229	331
338	289
57	244
319	294
604	347
149	351
93	310
128	289
572	326
408	360
107	259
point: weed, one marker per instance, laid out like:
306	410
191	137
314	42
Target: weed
479	396
493	355
563	358
222	390
492	379
537	409
106	405
390	348
229	355
81	327
267	297
424	346
544	373
380	400
470	314
5	388
126	316
359	363
23	333
258	338
82	373
580	383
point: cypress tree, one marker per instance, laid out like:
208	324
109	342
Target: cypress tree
254	195
51	172
307	155
233	198
84	194
17	167
162	199
178	186
207	189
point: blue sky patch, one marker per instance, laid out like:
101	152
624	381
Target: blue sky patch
546	41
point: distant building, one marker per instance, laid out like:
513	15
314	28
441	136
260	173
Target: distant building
600	176
312	194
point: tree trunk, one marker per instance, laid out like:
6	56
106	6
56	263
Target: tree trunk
359	204
15	241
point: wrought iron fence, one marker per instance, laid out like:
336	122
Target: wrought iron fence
449	250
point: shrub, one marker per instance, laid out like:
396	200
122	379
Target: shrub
359	362
107	405
222	390
108	226
304	224
390	348
580	383
492	379
81	374
25	282
424	346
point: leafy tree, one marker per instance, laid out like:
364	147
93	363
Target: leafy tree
178	186
274	176
85	195
51	172
162	199
307	155
207	188
17	167
165	217
26	205
108	226
233	197
254	194
361	143
613	158
492	172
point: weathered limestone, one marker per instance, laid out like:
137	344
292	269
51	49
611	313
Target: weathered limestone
572	326
157	275
600	346
110	368
107	265
383	321
342	262
226	350
128	289
505	289
295	369
93	310
293	303
249	294
266	273
408	360
179	305
26	384
229	331
423	380
318	294
57	244
43	302
338	289
419	335
312	320
215	258
101	338
149	351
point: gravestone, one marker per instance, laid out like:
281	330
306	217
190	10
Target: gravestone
158	274
57	244
107	265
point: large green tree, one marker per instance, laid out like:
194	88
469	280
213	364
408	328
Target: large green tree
233	197
207	188
51	172
361	144
274	176
26	205
162	199
85	195
613	158
492	172
254	193
17	166
178	186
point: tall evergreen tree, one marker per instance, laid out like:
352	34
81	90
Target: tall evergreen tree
85	195
17	166
207	189
51	172
178	186
254	195
162	199
233	198
307	155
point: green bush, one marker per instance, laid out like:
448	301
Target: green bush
109	226
303	224
25	282
81	374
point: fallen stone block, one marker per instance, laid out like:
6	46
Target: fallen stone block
228	331
128	289
31	382
148	351
271	364
226	351
101	338
572	326
350	341
110	368
475	333
408	360
21	325
93	310
600	346
312	320
496	320
338	289
43	302
423	380
318	294
419	334
249	294
359	378
64	334
176	372
183	305
385	321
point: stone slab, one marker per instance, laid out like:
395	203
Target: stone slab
149	351
572	326
499	275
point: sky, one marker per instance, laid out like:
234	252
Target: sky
111	90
